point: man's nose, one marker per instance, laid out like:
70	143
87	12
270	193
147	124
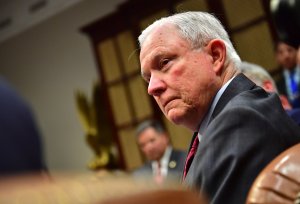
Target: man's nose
156	86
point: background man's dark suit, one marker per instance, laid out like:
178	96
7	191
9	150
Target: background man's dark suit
242	136
280	83
175	166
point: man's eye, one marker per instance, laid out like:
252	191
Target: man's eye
164	62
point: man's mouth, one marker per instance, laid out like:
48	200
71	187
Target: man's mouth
166	102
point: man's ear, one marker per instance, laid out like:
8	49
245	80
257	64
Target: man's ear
217	50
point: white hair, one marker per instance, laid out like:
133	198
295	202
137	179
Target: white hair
257	74
198	28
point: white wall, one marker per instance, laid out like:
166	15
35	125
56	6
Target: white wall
46	64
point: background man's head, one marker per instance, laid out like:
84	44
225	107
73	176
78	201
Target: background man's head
152	139
262	78
259	76
286	55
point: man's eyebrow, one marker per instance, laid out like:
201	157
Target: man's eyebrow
155	56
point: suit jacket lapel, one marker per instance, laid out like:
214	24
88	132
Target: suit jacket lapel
172	165
239	84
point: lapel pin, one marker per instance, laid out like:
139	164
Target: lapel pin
172	164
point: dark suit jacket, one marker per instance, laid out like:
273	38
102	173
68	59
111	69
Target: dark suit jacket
294	114
248	128
175	167
281	86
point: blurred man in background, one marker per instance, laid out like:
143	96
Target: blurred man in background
164	162
289	82
286	16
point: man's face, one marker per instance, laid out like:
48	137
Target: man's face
152	143
298	56
286	56
181	79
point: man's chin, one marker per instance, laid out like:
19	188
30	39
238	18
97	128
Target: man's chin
174	117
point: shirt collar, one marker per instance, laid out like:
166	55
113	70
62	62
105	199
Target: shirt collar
165	158
164	161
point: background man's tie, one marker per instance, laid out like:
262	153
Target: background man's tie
293	81
158	176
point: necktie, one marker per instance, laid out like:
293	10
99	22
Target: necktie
158	176
190	156
294	88
294	94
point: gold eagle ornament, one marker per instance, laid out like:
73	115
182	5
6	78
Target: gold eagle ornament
97	132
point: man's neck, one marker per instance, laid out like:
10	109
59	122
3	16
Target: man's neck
229	72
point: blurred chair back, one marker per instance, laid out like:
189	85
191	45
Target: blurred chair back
161	196
279	182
